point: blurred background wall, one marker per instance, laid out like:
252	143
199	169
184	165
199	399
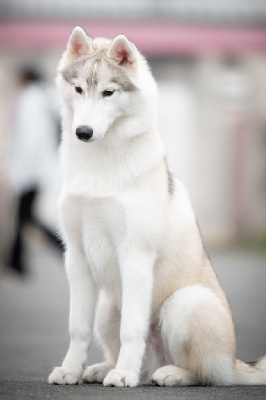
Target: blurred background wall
209	59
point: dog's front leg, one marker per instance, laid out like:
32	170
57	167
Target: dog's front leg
83	296
136	273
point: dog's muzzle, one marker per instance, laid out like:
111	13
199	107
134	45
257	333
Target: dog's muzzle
84	133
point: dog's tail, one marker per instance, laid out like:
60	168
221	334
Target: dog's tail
251	373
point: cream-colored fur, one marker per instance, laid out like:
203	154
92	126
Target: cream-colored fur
133	249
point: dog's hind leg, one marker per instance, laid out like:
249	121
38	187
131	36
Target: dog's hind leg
107	328
198	333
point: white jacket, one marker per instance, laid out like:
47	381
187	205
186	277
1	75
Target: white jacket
34	158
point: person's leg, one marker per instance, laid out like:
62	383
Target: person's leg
24	215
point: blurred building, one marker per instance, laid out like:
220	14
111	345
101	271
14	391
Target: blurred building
209	59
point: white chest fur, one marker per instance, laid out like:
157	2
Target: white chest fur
102	230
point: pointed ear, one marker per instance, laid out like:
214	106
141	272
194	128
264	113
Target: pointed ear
79	43
122	51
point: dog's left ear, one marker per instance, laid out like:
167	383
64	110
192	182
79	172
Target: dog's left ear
122	51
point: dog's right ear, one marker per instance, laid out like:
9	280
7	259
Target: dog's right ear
79	44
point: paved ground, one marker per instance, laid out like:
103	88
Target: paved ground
33	330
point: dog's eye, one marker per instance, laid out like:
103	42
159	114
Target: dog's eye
78	89
108	93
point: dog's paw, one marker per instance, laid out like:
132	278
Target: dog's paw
120	378
170	375
167	376
63	376
97	372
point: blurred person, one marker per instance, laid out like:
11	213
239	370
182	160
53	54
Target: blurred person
33	160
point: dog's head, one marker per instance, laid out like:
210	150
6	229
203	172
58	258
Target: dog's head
100	81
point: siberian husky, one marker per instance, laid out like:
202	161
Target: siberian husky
136	265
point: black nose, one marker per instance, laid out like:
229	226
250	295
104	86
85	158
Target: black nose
84	132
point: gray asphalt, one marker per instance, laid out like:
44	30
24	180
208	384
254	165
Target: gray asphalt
34	338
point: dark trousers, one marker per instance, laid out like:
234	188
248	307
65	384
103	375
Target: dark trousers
25	216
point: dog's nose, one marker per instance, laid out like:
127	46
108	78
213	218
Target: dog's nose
84	132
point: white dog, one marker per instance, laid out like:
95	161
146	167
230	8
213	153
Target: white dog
133	249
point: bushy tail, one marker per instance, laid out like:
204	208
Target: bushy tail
253	373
